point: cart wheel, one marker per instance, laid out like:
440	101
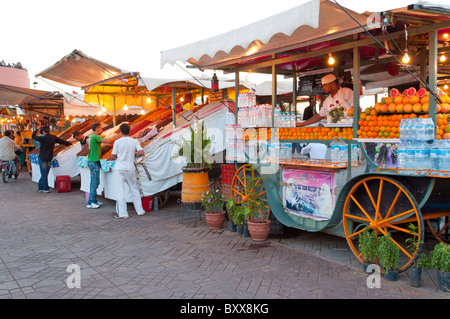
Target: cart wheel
163	198
247	185
440	229
385	206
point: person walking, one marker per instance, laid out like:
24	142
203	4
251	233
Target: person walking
124	152
95	153
7	151
47	144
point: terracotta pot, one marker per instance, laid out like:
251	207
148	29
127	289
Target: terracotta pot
259	229
215	220
195	183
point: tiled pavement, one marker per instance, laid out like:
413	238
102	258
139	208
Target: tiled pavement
156	256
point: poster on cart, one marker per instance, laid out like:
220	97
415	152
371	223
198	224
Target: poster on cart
309	193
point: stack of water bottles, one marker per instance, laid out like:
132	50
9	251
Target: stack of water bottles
283	119
339	151
418	150
252	115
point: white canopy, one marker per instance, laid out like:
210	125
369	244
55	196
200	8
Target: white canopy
312	22
265	88
78	69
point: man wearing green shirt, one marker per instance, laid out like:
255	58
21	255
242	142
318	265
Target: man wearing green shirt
95	153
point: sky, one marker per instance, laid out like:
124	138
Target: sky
129	34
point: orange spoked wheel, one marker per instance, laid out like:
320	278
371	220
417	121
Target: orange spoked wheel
247	188
440	228
384	206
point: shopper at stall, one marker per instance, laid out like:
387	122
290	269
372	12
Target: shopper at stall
80	138
95	153
315	151
124	152
19	153
336	95
7	150
47	144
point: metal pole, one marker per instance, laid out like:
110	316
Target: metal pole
174	111
114	111
433	64
274	90
356	86
294	95
236	95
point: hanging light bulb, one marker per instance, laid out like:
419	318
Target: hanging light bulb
142	112
103	109
445	86
406	59
125	107
148	100
331	59
443	58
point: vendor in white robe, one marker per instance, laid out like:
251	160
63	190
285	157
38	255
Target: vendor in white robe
337	95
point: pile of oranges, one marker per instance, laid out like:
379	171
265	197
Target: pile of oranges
375	125
314	133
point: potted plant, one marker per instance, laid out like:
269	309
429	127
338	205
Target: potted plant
196	152
440	260
388	254
239	218
257	220
413	244
212	202
367	242
231	208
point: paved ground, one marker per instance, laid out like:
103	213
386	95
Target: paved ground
155	256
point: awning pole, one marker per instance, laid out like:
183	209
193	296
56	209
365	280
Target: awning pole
274	90
433	64
356	88
294	96
236	95
174	111
114	111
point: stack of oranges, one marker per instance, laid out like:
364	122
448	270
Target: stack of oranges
375	125
315	133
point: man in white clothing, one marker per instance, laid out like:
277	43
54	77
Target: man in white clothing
7	148
337	95
316	151
124	152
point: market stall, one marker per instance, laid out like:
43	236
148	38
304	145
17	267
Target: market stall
336	194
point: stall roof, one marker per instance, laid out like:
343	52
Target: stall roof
13	95
78	69
312	22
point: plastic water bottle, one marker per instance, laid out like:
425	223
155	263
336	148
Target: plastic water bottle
343	150
428	129
414	129
421	155
410	152
401	156
444	159
427	160
435	154
334	150
277	115
354	152
408	130
420	129
402	129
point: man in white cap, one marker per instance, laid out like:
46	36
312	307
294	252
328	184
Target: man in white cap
337	95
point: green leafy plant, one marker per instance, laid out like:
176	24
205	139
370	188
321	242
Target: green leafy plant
196	150
239	215
388	253
413	244
367	242
440	257
212	201
336	114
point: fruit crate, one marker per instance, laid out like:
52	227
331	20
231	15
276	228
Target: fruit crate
228	171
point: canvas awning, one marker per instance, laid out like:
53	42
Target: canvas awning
78	69
312	22
13	95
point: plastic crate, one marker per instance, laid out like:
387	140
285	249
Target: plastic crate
228	171
63	184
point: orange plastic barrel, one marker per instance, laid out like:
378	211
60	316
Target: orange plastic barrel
195	183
